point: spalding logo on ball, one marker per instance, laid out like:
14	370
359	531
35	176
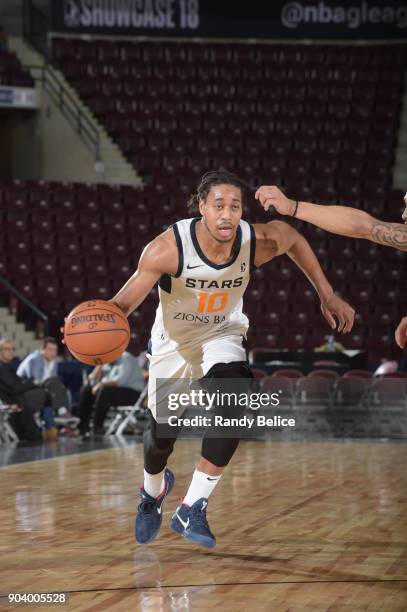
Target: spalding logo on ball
96	332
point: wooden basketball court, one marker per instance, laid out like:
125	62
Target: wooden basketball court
299	526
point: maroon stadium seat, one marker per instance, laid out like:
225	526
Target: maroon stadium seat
331	374
284	386
351	391
389	392
286	373
358	374
314	390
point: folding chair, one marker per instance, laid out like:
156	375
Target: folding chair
7	433
352	391
313	391
389	392
283	386
126	415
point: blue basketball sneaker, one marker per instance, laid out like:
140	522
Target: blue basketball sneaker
191	523
149	512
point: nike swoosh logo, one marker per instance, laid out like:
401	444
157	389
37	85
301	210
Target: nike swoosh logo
183	523
192	267
207	478
161	505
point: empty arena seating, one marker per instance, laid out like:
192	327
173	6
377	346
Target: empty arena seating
320	120
65	242
12	72
62	243
339	391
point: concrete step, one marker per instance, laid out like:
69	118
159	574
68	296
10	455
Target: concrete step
111	172
23	340
109	147
7	321
110	156
121	180
117	166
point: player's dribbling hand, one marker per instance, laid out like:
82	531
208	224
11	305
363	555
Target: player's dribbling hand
335	306
401	333
273	196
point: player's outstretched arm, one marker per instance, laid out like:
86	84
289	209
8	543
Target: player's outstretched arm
159	257
342	220
277	238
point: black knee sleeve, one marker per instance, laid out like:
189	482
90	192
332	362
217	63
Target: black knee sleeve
215	449
158	446
234	369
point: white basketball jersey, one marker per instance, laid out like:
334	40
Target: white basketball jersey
203	300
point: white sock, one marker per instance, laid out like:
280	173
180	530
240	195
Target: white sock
154	483
201	485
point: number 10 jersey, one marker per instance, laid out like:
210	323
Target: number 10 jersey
203	300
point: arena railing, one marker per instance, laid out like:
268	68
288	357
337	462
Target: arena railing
17	298
69	107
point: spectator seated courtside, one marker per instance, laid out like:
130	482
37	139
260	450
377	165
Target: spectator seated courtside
113	384
29	395
41	367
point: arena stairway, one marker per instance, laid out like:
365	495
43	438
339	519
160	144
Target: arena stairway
24	341
116	169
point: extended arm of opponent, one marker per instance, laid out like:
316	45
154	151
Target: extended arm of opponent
342	220
346	221
277	238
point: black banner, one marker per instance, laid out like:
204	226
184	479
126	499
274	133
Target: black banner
380	19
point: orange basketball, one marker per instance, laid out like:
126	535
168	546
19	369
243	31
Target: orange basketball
96	332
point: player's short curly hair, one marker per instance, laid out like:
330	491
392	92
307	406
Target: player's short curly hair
216	177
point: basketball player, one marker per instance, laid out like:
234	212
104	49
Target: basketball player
343	220
202	266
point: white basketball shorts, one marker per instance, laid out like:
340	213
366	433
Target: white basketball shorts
192	362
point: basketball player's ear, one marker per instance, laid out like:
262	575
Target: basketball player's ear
201	207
